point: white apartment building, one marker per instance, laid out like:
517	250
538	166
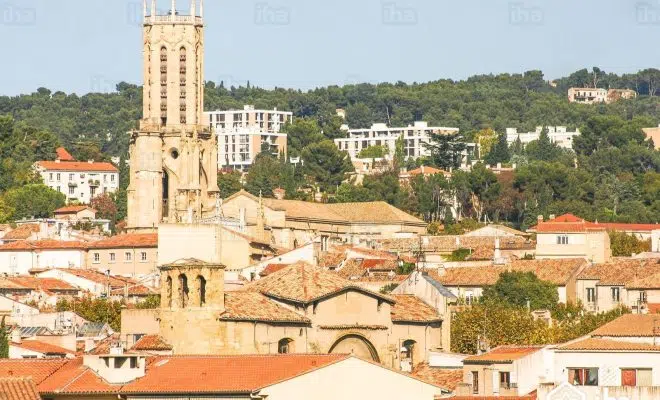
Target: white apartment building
414	137
557	134
80	181
241	134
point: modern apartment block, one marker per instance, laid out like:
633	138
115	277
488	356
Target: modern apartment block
242	133
599	95
414	137
80	181
557	134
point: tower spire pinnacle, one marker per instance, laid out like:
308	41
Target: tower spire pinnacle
153	9
173	8
144	8
201	8
193	7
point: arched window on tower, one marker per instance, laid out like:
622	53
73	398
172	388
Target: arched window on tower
163	85
183	291
285	346
168	291
201	287
182	84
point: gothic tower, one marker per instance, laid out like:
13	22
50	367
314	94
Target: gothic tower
173	156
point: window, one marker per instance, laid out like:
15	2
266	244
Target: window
59	177
97	258
642	297
72	191
128	256
616	295
112	178
183	291
505	380
636	377
112	257
59	189
201	287
82	176
475	382
168	292
591	295
105	177
134	363
314	306
71	177
583	376
50	176
143	256
562	239
284	346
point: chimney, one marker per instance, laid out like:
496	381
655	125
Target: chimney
16	335
441	270
90	161
539	219
552	216
241	219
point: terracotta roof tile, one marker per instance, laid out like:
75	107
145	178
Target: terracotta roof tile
46	244
18	389
446	378
151	343
572	223
606	344
252	306
304	283
530	396
426	170
503	355
128	240
410	308
45	284
629	272
7	284
22	232
98	277
77	166
633	325
37	370
557	271
75	378
447	244
63	154
232	374
72	209
270	268
103	346
42	347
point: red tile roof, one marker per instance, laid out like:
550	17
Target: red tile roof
572	223
410	308
98	277
631	325
270	268
635	273
225	374
252	306
502	355
304	283
77	166
46	284
63	154
446	378
128	240
18	389
426	170
46	244
42	347
606	344
72	209
530	396
37	370
22	232
75	378
151	343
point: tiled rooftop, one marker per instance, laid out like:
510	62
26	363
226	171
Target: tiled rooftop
37	370
632	325
77	166
410	308
151	343
63	154
447	244
42	347
72	209
253	306
596	344
22	232
572	223
45	284
75	378
128	240
46	244
502	355
557	271
628	272
446	378
304	283
225	374
18	389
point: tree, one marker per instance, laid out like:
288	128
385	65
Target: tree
499	153
543	149
105	207
229	183
517	288
326	164
4	339
358	116
446	150
94	309
374	152
486	138
399	153
625	245
301	133
264	175
33	201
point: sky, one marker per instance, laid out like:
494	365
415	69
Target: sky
90	45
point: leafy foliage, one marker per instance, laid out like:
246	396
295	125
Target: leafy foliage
374	152
105	207
229	183
625	245
459	255
518	288
94	309
33	200
4	339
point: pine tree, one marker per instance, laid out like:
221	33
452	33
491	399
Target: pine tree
500	152
4	340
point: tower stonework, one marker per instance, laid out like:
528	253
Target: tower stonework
173	155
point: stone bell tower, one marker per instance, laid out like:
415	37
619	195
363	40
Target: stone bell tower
173	156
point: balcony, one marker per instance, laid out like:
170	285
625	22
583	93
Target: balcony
73	184
94	183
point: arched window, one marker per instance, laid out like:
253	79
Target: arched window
285	346
407	352
168	291
183	290
201	287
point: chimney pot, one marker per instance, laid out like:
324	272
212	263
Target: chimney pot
539	218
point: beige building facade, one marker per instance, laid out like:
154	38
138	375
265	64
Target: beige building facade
173	155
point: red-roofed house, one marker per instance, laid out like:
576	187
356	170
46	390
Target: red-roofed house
79	180
37	349
19	257
571	237
75	213
131	254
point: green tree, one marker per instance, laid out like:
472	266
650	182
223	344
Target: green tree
359	116
499	153
229	183
301	133
486	139
35	200
625	245
94	309
326	164
517	288
263	176
446	150
374	152
4	339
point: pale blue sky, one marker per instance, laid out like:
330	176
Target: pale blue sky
89	45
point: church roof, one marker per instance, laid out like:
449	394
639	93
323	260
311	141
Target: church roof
253	306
